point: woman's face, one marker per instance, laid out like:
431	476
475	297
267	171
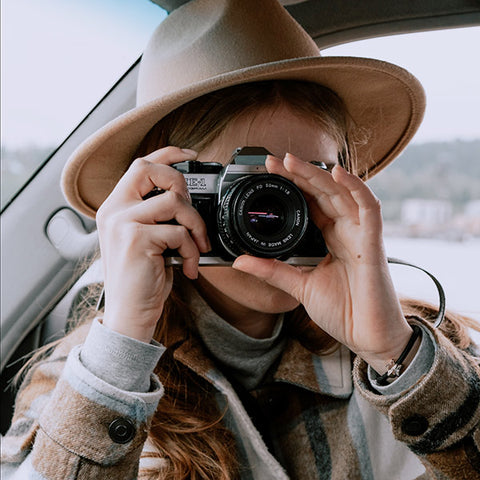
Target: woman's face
279	130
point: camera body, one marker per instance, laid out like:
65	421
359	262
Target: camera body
250	211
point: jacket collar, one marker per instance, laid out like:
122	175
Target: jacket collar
326	374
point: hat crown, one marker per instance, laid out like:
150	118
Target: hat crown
206	38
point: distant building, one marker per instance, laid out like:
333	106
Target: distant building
469	221
424	213
472	209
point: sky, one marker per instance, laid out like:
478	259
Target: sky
445	63
60	56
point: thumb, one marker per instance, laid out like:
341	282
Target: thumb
276	273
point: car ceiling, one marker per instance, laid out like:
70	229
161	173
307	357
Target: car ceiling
340	21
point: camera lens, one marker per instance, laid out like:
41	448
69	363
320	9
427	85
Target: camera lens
263	215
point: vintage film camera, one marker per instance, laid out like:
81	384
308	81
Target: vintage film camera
247	210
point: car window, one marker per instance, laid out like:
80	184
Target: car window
431	195
442	61
58	60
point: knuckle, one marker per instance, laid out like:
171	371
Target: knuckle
128	233
117	233
113	219
105	217
139	165
171	199
177	177
376	204
373	204
182	232
180	237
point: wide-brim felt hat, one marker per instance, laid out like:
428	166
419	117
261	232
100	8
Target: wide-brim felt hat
207	45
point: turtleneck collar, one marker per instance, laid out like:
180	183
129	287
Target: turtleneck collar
245	358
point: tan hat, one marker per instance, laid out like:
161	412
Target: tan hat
206	45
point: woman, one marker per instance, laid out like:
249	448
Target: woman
252	362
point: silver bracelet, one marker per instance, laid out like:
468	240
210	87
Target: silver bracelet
394	367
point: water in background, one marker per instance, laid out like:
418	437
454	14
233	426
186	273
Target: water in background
455	264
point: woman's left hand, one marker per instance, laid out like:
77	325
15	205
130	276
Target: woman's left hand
350	294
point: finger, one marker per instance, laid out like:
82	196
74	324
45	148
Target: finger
331	199
276	273
176	237
315	176
144	175
276	166
325	183
369	205
171	206
170	155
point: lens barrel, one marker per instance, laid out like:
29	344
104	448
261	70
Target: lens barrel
263	215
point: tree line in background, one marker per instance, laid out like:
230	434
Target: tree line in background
447	171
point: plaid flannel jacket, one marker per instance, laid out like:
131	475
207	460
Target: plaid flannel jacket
321	421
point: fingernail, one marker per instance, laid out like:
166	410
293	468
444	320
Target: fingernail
189	152
292	156
208	245
191	273
338	169
237	264
193	276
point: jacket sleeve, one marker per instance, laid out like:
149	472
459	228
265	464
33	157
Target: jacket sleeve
438	417
69	423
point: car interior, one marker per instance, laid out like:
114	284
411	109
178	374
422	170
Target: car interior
45	242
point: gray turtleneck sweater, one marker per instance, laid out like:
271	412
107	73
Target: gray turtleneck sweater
245	358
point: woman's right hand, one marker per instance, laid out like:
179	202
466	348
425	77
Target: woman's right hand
133	236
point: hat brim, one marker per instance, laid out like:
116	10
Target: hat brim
383	100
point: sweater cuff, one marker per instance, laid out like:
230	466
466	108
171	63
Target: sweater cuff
121	361
419	366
